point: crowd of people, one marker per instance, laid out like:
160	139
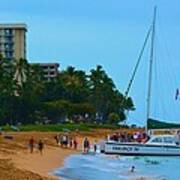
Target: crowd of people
68	141
65	140
127	137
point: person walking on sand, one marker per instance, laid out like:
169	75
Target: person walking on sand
70	142
86	145
40	146
57	139
31	145
75	143
95	146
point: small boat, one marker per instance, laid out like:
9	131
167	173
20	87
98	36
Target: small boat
157	145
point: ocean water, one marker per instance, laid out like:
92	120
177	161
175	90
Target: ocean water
106	167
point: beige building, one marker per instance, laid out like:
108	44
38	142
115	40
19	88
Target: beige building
50	70
13	41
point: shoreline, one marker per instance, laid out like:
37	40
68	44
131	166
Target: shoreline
45	164
37	166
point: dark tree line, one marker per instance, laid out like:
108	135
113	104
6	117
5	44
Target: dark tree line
73	95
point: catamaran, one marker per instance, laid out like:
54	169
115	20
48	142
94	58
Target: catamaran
157	145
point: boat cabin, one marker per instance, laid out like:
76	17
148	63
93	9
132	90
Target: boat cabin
164	140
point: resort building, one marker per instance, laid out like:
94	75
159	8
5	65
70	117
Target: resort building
13	41
50	70
13	47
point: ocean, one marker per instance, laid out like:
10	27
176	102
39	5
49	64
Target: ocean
112	167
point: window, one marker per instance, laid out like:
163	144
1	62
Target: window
168	140
8	32
9	55
52	73
51	67
8	46
45	67
8	39
157	140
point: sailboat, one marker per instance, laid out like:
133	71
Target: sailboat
157	145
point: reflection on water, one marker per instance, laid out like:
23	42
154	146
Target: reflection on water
102	167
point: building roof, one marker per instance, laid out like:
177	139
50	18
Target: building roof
46	64
14	26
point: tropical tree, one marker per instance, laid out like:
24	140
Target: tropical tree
7	89
26	97
21	70
105	97
29	95
113	118
75	84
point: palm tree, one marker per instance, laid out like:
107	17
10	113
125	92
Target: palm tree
21	71
7	89
76	84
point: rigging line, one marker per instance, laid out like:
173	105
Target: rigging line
168	84
159	92
137	65
172	75
167	50
170	68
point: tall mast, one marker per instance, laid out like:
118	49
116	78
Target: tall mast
151	67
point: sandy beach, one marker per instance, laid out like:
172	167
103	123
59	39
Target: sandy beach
16	162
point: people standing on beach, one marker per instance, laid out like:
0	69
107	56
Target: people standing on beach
40	146
86	145
31	144
57	139
64	140
75	143
95	146
61	140
70	142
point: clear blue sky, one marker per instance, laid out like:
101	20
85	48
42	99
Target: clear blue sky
84	33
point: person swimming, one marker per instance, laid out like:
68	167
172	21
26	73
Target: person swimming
132	169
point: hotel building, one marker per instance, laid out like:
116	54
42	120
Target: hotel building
50	70
13	41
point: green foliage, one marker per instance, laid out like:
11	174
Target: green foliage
74	96
156	124
62	127
113	118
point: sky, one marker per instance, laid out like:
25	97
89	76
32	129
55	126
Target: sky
84	33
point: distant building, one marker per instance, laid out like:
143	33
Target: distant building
13	41
50	70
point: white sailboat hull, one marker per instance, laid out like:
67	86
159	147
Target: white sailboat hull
135	149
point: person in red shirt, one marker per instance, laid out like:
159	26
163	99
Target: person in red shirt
31	144
75	143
